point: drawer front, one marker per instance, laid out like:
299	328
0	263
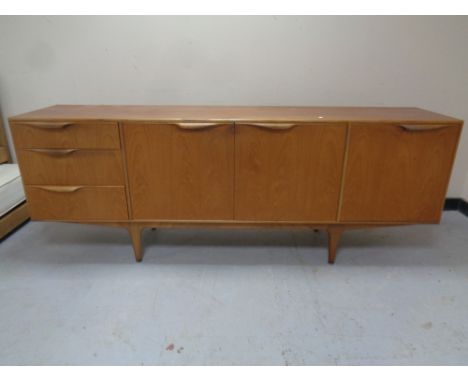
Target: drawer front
76	203
397	173
71	167
80	135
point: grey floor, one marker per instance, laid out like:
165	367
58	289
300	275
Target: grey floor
72	294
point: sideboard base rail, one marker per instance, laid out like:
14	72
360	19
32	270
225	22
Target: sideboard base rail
334	231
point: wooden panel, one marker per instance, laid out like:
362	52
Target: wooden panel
71	167
180	173
290	174
4	157
13	219
233	114
396	174
76	203
66	135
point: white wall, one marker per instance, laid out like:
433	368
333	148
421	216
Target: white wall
375	61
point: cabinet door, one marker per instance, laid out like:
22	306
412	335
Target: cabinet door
397	173
180	171
287	172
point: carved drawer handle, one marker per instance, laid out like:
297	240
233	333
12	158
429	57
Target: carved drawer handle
422	127
48	125
196	125
273	126
54	152
67	189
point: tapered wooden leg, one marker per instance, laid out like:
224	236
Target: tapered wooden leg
135	233
334	235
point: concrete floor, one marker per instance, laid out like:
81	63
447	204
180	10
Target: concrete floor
72	294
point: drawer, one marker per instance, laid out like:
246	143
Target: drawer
80	135
76	203
71	167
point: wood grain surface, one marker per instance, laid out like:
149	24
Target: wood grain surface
233	114
78	135
177	173
289	174
393	174
77	203
13	219
71	167
4	152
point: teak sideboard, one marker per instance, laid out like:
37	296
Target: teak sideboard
331	168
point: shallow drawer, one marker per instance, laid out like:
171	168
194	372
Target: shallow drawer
83	135
76	203
71	167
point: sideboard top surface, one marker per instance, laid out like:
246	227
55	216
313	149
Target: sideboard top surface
234	114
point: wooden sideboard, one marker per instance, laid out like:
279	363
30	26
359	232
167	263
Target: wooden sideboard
331	168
